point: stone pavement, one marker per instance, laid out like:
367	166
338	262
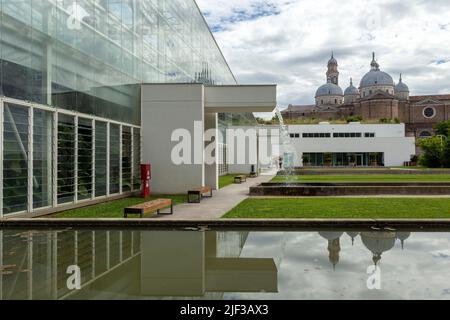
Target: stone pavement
223	200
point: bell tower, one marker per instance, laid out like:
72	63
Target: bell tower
332	72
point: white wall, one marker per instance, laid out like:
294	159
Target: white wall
165	108
381	130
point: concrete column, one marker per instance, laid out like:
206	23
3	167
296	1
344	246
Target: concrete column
171	111
212	169
164	272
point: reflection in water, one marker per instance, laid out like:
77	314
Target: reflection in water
133	264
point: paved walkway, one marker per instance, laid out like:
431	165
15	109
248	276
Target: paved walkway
223	201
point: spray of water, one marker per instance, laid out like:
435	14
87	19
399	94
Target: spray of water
287	150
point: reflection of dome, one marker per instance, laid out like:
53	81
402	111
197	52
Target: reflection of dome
353	235
378	242
402	236
329	89
331	235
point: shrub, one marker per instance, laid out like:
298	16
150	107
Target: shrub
432	152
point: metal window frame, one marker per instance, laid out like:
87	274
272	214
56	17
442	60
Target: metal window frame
30	158
55	118
75	187
108	158
120	158
1	161
93	161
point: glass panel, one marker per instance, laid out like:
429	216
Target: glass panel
15	157
126	159
114	159
84	159
42	158
137	158
100	158
95	62
66	158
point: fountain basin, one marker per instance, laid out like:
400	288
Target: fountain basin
350	189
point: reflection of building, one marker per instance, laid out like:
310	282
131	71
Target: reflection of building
130	264
334	246
378	97
378	242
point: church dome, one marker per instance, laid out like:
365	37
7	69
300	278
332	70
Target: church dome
401	87
351	90
332	60
376	77
329	89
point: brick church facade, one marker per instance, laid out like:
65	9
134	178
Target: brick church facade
377	98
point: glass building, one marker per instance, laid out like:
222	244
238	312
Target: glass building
70	75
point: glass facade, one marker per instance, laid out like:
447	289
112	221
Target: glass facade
362	159
91	55
70	76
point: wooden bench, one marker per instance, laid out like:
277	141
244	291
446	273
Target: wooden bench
199	194
151	206
240	179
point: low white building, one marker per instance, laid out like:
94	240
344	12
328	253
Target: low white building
353	144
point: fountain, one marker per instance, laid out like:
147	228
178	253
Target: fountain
286	149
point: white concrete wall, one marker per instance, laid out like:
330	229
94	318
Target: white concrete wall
380	130
212	170
165	108
241	98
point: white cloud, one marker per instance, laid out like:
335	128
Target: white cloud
291	42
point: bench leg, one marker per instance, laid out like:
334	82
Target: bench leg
198	196
166	213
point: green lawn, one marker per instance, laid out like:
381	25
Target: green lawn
365	178
226	180
113	209
335	208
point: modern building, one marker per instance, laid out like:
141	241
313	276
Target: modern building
77	98
354	144
377	98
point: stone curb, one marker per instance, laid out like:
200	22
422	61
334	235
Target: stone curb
234	224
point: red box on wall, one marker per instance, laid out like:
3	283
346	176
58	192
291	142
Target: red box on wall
146	175
146	172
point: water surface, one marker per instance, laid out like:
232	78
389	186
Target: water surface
135	264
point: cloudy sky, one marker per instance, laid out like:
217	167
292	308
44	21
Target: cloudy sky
288	42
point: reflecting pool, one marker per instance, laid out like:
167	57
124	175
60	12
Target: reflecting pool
150	264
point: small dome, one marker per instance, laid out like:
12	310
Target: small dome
351	90
376	78
330	235
401	87
332	60
329	89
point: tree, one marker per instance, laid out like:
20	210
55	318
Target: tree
446	154
433	150
443	128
